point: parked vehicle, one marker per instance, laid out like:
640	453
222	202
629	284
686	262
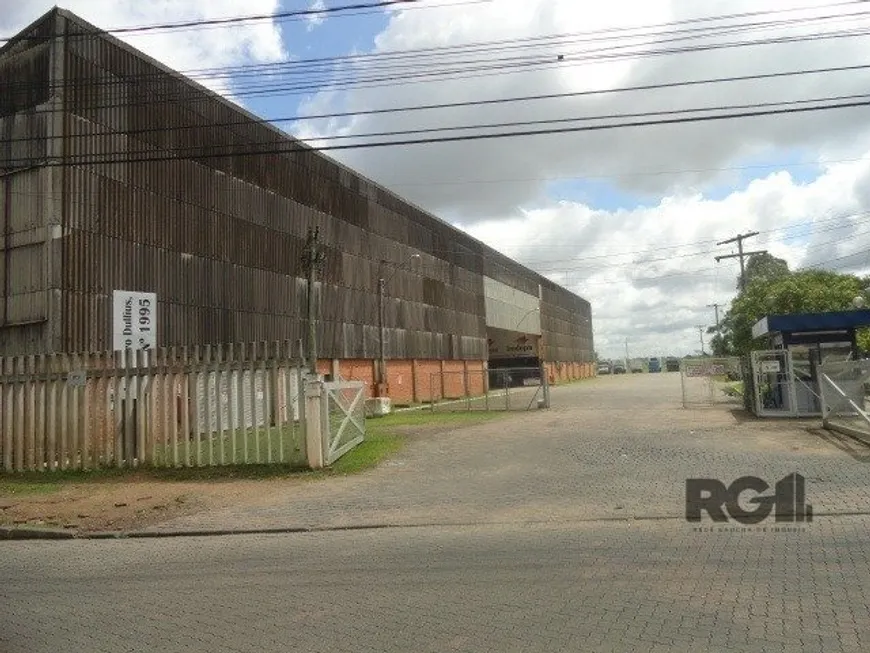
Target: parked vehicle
604	368
618	368
636	368
655	365
672	364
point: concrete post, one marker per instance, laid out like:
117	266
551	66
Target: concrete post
313	425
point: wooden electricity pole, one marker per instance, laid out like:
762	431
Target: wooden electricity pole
715	307
313	259
740	254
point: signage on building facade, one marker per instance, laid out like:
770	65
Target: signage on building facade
512	345
134	320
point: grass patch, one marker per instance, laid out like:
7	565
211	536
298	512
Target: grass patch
377	447
383	439
25	488
425	417
258	447
733	389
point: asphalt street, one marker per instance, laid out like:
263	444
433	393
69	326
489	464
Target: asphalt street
560	530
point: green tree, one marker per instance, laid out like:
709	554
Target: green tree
806	291
765	267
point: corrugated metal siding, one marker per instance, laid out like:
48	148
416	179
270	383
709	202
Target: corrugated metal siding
221	239
26	199
566	325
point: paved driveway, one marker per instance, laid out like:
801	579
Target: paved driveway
615	447
552	531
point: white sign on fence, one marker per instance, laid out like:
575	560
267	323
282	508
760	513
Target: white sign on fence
770	366
703	369
134	320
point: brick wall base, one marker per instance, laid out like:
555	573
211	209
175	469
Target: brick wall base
419	381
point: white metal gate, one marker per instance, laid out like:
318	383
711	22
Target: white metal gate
711	381
343	423
844	388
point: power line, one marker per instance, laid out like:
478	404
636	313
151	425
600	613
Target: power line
192	153
279	16
393	58
427	72
469	127
235	20
486	102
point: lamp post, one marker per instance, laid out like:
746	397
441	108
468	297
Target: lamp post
382	287
537	309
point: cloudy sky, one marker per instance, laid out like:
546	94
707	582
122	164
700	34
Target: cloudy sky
627	217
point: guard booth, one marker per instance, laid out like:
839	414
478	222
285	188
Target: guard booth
784	377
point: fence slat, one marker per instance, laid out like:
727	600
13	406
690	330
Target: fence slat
210	400
118	390
52	453
243	430
198	399
267	396
157	406
6	393
18	415
40	415
219	384
143	389
102	421
63	416
75	438
172	400
85	393
186	407
255	424
281	396
30	414
129	410
233	392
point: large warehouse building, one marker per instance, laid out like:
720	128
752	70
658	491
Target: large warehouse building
117	173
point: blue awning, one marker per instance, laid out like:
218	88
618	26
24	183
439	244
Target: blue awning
811	322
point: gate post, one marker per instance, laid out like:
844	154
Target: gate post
545	386
313	424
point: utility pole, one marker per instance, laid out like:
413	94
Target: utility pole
382	360
701	336
715	307
313	259
740	254
626	354
381	385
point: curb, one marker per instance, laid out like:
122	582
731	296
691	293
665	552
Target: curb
30	533
25	533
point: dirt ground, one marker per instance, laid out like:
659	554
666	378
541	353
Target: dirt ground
133	502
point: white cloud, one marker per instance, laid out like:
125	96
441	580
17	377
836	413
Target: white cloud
315	20
681	147
187	51
499	190
650	271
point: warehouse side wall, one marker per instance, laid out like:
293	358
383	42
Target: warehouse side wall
162	186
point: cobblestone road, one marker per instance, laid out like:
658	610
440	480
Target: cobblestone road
539	563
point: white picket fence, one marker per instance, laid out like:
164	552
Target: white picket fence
175	407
